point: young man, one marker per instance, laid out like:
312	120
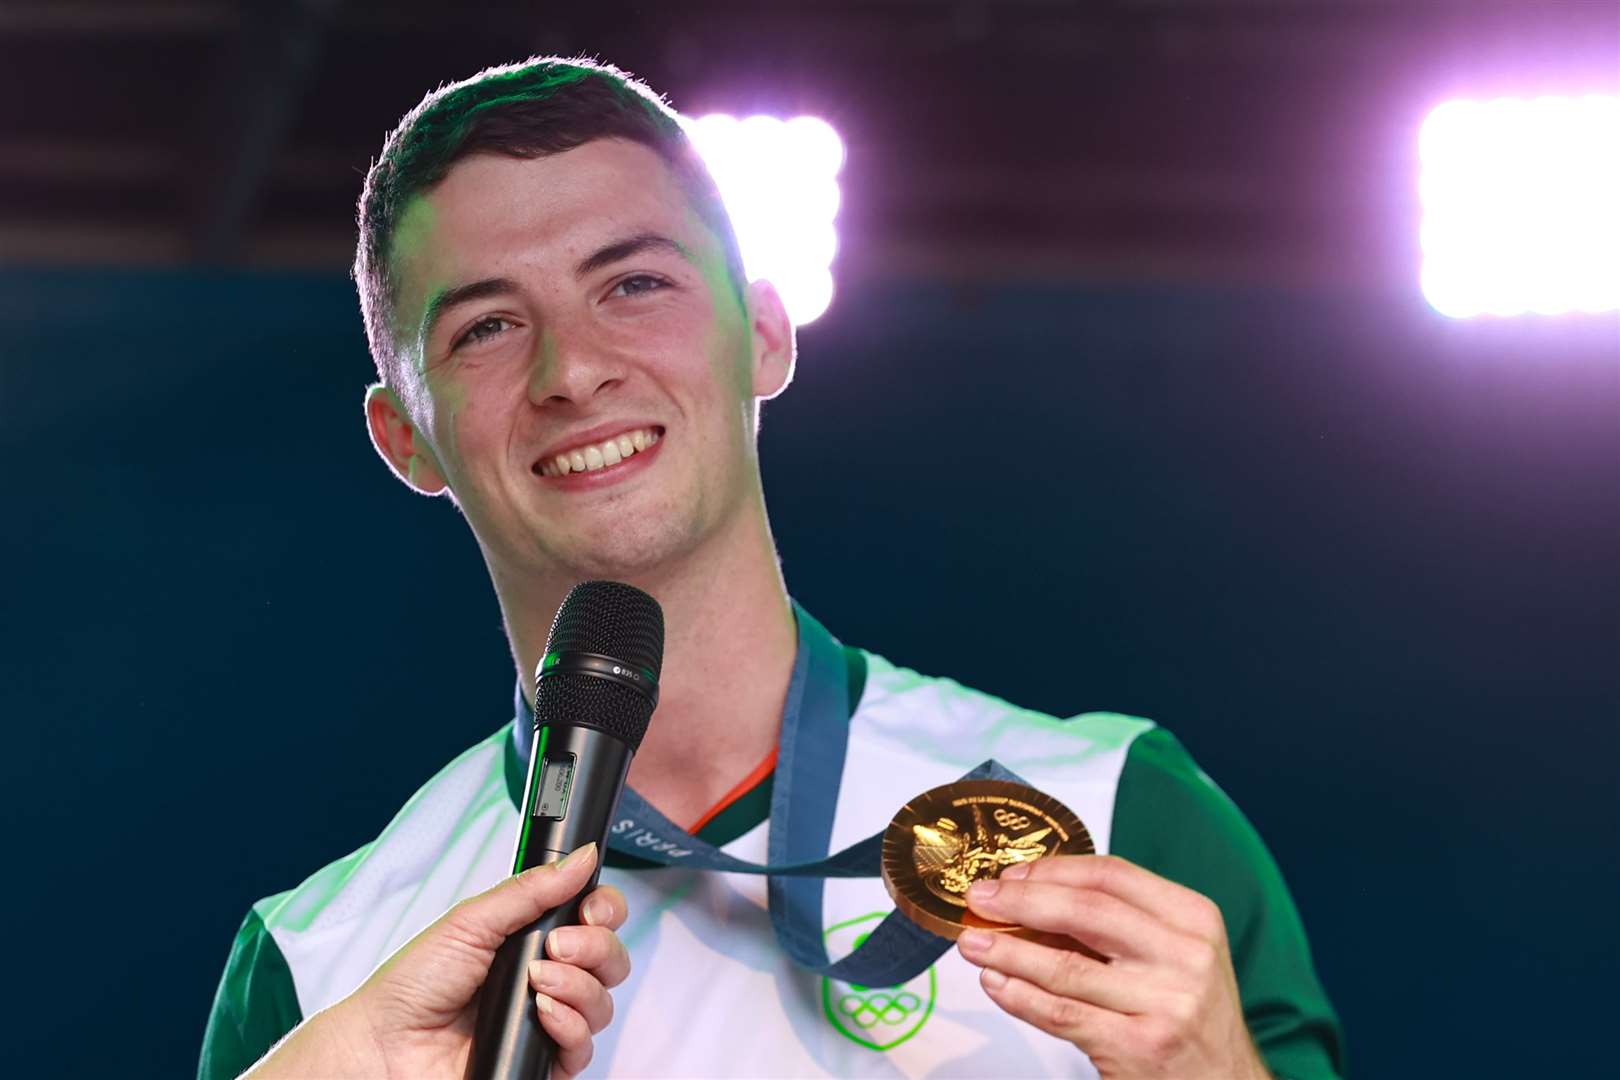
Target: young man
569	349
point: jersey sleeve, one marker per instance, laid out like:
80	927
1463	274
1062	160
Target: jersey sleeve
254	1007
1170	818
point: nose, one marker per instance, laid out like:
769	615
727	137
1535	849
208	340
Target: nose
571	369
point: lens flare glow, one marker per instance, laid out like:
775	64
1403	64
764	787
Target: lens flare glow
779	180
1521	206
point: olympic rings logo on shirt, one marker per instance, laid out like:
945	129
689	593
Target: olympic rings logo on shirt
877	1017
867	1010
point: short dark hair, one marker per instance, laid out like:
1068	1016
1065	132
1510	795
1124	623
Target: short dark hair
541	106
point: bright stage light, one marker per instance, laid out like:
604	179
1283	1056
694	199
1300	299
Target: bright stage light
1521	206
779	180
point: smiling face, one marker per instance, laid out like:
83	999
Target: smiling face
574	310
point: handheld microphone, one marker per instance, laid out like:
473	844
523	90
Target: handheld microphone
595	691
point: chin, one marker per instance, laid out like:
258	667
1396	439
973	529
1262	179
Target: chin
628	553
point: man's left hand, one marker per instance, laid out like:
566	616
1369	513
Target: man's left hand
1133	969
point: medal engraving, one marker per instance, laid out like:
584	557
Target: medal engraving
945	839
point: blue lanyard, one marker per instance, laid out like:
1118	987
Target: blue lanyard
810	758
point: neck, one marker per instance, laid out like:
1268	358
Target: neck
729	646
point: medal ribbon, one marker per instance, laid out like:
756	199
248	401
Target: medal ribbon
810	759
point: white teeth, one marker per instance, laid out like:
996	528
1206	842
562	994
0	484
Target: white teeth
601	455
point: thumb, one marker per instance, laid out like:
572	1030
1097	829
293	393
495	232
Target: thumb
523	898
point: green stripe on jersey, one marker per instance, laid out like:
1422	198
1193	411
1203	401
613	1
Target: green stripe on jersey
255	1004
855	662
1169	816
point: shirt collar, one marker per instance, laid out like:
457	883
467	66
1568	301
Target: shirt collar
523	716
522	738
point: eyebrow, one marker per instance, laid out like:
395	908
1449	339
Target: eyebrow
630	246
442	301
445	299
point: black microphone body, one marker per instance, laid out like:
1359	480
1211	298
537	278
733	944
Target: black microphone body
592	705
508	1042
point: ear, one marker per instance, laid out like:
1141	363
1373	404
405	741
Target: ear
395	438
773	342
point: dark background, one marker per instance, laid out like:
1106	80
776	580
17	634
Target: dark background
1128	365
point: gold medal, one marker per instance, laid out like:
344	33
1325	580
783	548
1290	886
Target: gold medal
971	830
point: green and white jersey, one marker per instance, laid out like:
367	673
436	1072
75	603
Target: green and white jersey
710	993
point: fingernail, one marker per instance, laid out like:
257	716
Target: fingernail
544	975
577	854
596	911
1016	871
992	978
983	890
561	943
544	1003
975	941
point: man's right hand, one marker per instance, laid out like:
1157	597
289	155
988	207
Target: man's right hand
414	1016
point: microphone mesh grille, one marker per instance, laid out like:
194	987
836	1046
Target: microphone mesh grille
611	619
